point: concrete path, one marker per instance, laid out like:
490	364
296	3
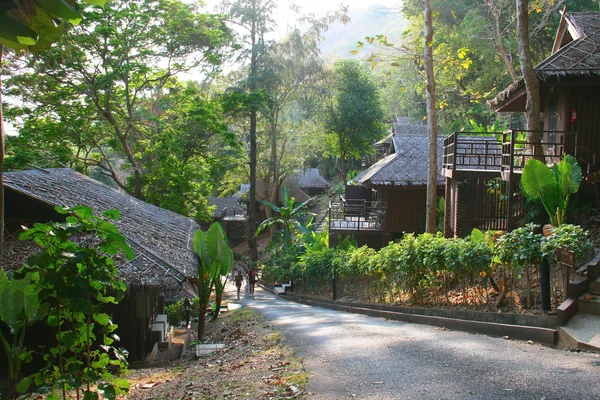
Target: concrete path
358	357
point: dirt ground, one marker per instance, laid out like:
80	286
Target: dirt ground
252	365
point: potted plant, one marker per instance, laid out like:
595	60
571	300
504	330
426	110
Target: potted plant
553	186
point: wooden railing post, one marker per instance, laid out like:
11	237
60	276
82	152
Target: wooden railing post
509	186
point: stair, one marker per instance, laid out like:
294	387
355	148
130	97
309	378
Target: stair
322	223
582	332
283	288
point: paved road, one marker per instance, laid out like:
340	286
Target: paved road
358	357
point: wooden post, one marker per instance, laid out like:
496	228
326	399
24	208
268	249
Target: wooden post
509	186
545	284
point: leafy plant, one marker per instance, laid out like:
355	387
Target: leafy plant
570	236
76	275
553	186
290	217
520	251
20	307
440	209
215	259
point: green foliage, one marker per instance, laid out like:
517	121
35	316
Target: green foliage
520	248
553	186
357	115
573	237
76	274
290	216
118	118
20	307
176	311
215	259
36	26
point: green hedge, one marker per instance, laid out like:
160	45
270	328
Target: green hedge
426	263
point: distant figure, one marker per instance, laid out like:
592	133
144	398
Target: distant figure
252	280
238	279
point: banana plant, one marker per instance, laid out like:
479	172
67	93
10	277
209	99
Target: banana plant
553	186
215	260
290	216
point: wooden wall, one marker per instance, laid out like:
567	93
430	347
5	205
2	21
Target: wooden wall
405	209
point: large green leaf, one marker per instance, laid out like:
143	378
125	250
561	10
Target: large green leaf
37	27
537	177
62	9
12	300
570	171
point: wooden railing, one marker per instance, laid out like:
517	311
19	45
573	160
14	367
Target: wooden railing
356	214
472	151
509	151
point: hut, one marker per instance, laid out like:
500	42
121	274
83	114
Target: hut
164	262
398	183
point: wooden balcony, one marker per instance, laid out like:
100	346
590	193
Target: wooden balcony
356	215
471	154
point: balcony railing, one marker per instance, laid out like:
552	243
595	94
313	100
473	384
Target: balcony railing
469	152
356	215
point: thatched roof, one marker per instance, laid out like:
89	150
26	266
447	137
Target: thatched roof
407	166
577	53
309	178
294	191
227	207
162	240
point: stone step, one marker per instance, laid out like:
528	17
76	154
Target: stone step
582	332
589	304
282	289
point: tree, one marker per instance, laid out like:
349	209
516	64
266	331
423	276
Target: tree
33	27
532	86
254	17
291	68
431	123
191	149
110	67
356	115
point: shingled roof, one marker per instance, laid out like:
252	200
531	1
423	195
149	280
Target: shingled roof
579	57
161	240
407	166
310	178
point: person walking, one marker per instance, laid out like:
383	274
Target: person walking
238	279
252	280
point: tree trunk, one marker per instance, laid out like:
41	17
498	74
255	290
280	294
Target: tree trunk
431	217
532	87
252	197
1	164
201	321
251	227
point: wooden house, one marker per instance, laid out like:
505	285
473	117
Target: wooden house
162	241
483	171
398	183
230	211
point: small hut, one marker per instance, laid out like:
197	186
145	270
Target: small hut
164	262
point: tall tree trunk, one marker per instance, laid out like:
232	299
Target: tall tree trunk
251	227
1	164
252	197
432	168
532	87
